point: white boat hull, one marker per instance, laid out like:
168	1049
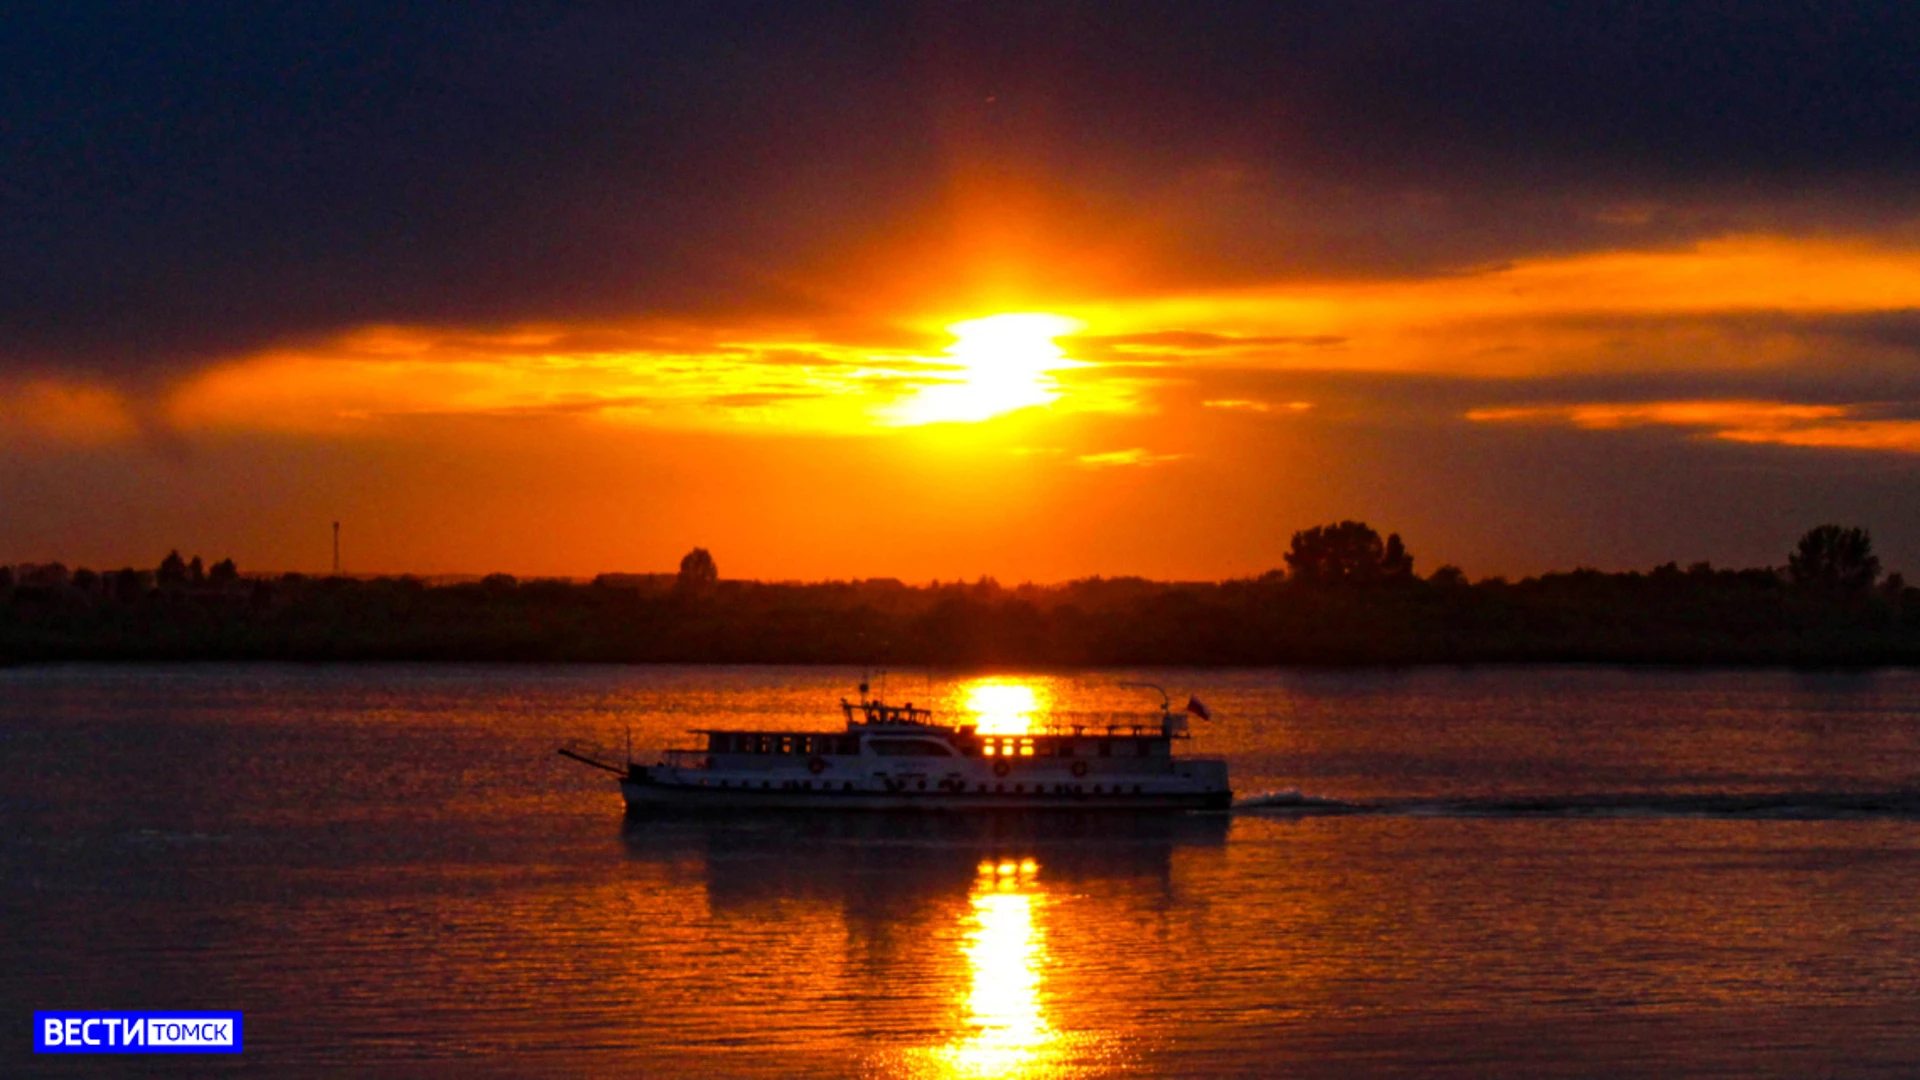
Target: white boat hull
1201	785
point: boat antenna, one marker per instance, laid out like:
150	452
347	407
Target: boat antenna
629	744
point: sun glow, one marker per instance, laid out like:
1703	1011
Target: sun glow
1006	362
1002	708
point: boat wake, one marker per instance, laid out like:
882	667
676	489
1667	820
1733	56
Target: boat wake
1771	805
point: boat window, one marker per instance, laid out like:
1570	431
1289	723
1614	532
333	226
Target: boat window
786	744
1063	749
1146	748
1106	747
1026	747
908	748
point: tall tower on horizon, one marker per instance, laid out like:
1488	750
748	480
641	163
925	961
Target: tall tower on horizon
336	549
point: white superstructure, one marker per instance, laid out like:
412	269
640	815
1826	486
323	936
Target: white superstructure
897	758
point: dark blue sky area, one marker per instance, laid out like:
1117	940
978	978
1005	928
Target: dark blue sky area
182	182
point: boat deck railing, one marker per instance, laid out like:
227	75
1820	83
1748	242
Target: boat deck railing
1091	724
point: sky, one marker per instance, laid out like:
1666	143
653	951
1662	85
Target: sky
940	290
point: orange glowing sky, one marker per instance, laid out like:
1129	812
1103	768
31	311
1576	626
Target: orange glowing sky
964	301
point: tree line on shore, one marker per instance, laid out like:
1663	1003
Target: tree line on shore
1344	596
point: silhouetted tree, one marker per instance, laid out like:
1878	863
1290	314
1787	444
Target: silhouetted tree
1894	588
697	571
196	572
223	572
173	570
1349	551
1830	557
1396	563
6	577
127	585
499	582
85	580
1448	576
51	574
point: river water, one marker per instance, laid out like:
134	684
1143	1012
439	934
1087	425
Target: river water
1436	872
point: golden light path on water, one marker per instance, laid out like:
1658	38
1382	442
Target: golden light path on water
1004	1031
1005	956
1004	706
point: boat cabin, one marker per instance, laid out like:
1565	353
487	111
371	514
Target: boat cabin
933	741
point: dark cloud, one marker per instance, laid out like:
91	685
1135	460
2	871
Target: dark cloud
1895	330
179	182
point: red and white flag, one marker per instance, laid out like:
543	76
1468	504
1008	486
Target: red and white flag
1197	708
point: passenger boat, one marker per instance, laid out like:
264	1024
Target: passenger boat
896	757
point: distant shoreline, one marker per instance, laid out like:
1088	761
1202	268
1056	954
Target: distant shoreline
1697	618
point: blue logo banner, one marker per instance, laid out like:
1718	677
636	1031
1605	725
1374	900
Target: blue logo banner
170	1032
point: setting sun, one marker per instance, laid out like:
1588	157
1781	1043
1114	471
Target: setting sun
1006	363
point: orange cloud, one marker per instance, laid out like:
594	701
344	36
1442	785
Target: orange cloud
1775	422
860	373
680	378
701	381
1732	414
1899	436
1243	405
1132	456
1539	316
66	413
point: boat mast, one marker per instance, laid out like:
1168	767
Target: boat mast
1166	705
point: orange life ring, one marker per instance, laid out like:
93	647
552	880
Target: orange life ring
1001	768
817	765
1079	768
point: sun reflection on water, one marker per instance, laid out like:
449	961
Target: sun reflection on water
1003	1006
1008	1035
1004	706
1003	1029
